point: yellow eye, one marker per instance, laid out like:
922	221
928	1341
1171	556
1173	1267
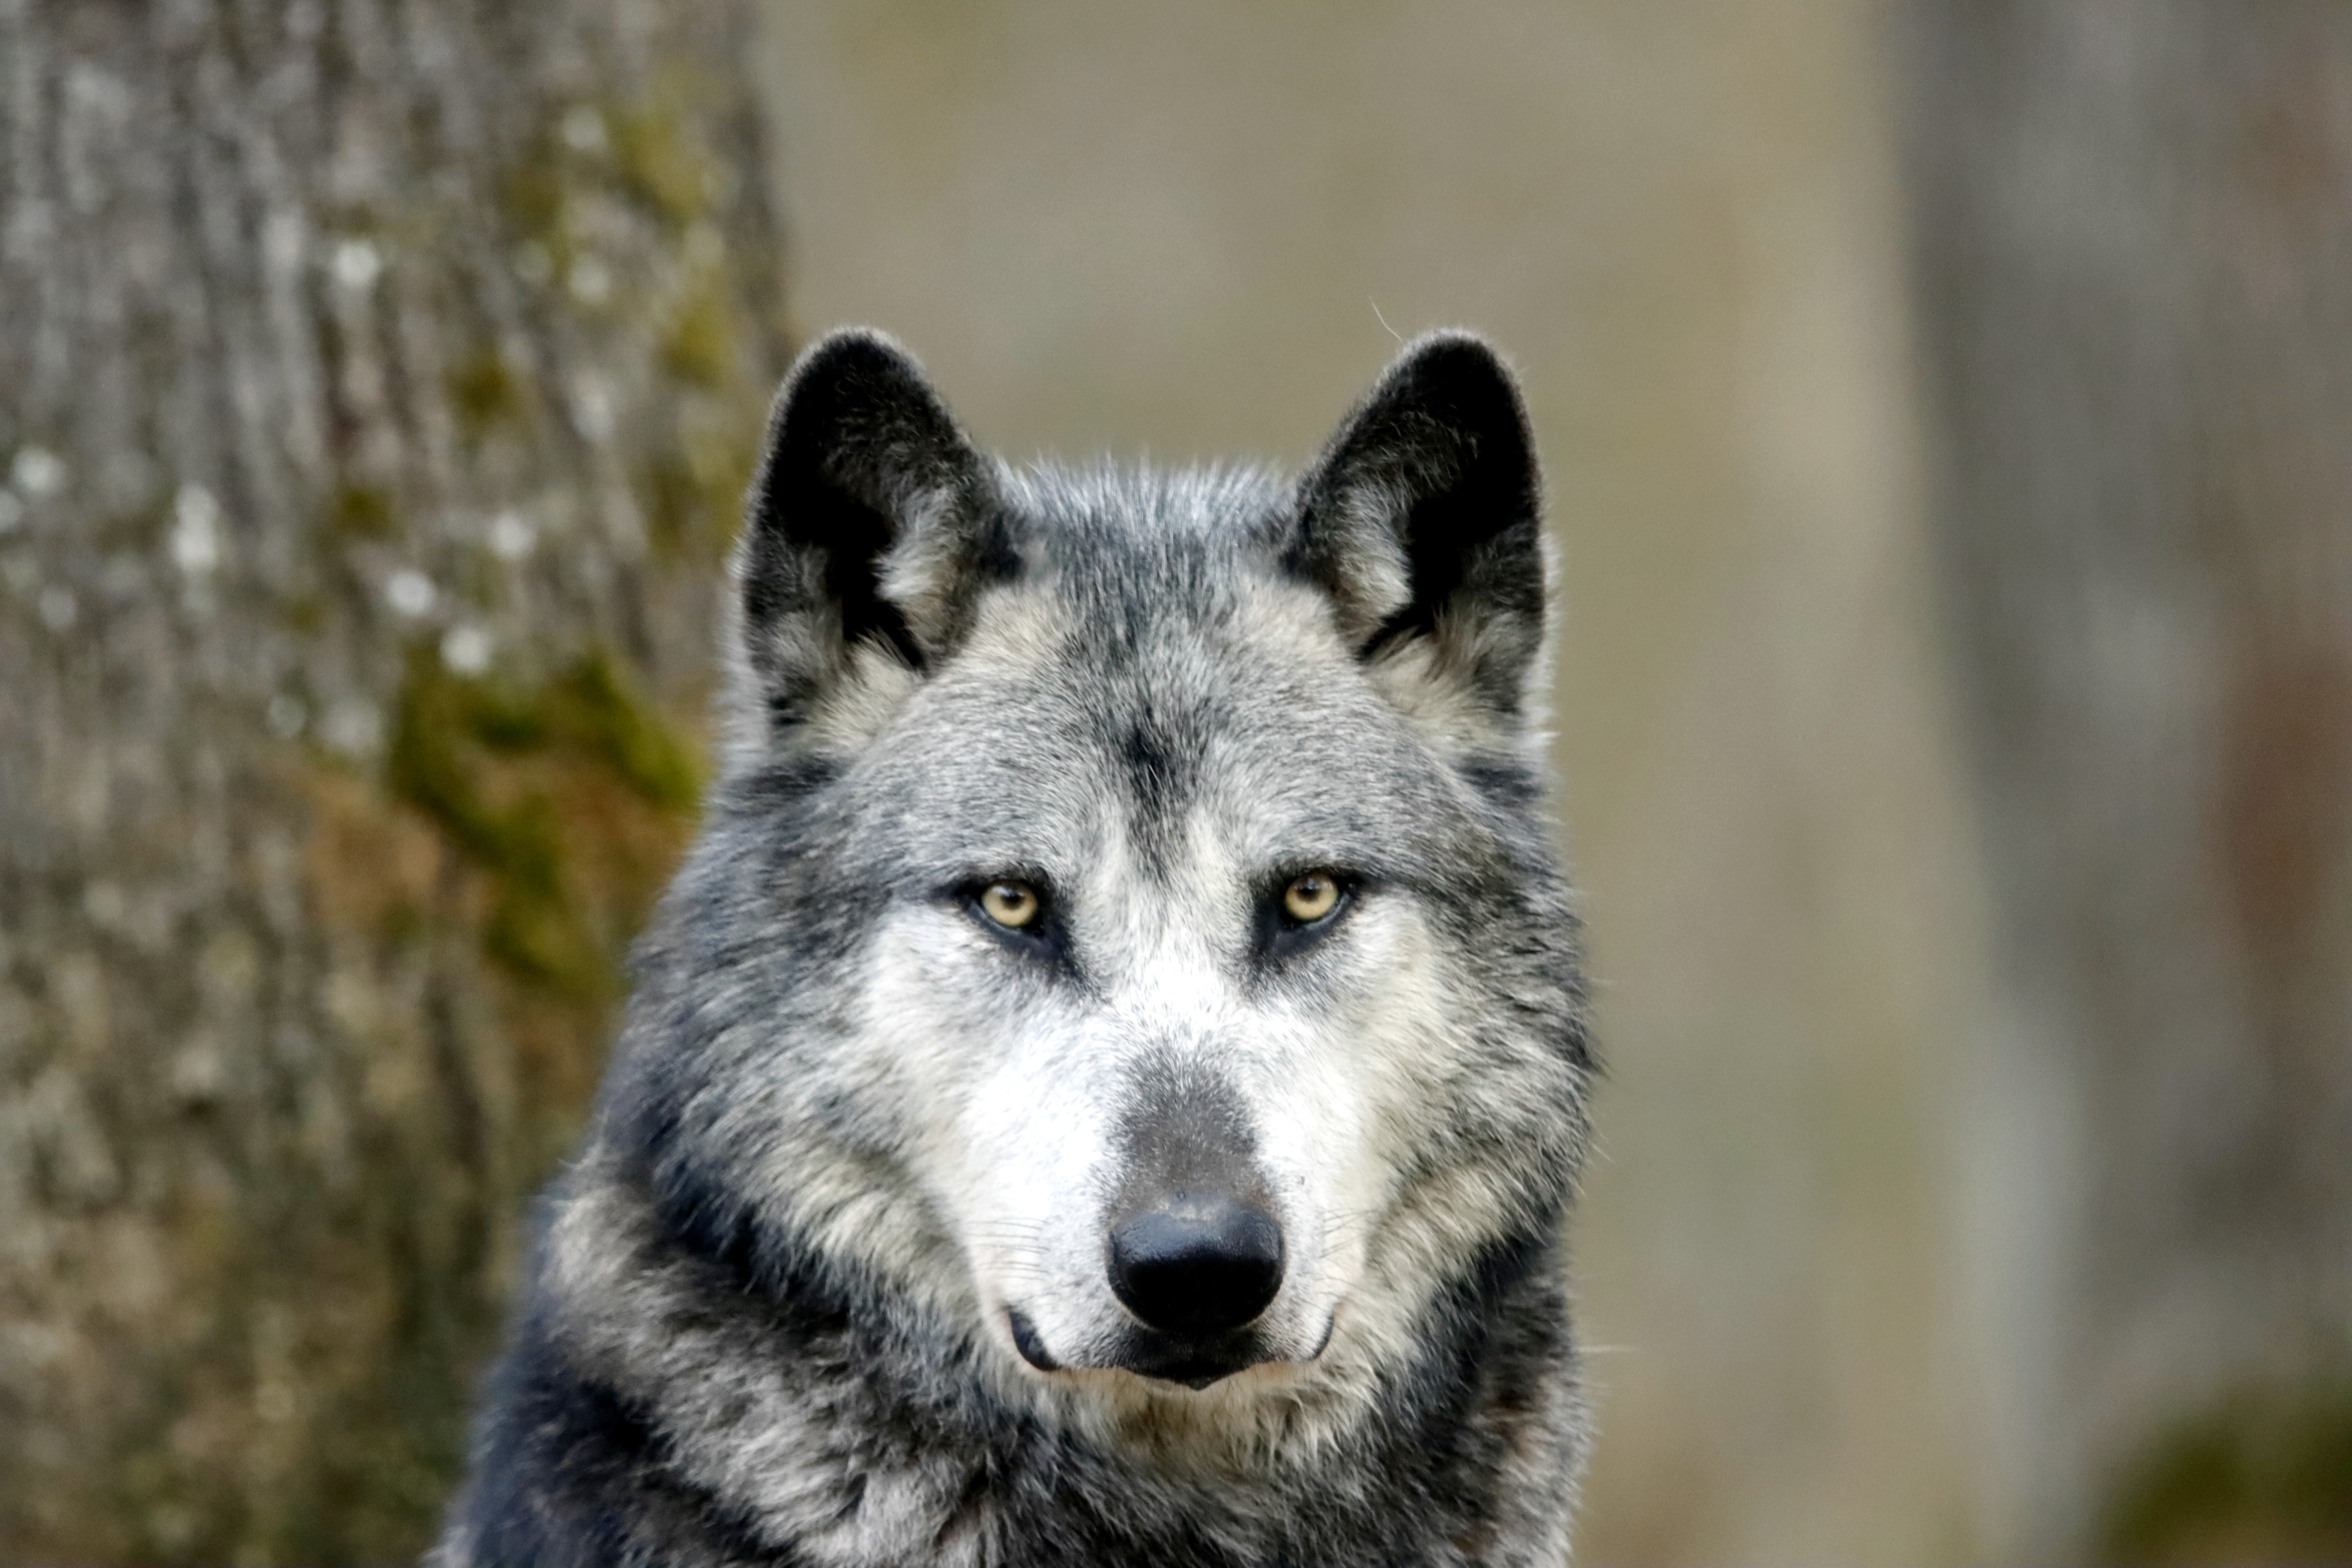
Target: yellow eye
1311	897
1013	905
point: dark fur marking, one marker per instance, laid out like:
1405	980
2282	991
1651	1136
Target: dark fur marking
1162	752
606	1493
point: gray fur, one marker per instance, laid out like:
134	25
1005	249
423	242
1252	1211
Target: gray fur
848	1179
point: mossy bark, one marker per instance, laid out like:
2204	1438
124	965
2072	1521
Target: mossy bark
377	385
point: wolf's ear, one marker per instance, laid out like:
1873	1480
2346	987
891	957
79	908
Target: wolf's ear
871	528
1423	521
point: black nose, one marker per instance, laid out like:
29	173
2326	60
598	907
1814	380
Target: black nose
1196	1265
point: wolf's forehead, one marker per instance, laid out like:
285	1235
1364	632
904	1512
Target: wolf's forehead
1102	512
1231	718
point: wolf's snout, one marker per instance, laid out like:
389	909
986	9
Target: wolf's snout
1195	1266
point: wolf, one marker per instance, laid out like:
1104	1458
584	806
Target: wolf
1106	1083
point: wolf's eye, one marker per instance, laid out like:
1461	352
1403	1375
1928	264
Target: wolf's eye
1311	897
1013	905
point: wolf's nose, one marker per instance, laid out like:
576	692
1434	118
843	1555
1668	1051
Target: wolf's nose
1196	1265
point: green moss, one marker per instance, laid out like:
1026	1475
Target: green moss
486	392
2265	1476
535	193
661	162
307	613
592	707
699	346
693	492
485	760
361	511
532	930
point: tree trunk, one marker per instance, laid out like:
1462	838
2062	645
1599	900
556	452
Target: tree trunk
378	379
2133	241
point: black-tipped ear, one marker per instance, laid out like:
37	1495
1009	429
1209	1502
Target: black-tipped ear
871	522
1423	519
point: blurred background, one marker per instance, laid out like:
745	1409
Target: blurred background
1947	419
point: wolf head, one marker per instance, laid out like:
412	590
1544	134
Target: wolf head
1124	941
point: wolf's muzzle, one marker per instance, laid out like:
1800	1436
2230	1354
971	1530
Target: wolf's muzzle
1196	1265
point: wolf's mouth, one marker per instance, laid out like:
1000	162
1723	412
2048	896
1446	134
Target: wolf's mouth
1195	1375
1194	1362
1026	1341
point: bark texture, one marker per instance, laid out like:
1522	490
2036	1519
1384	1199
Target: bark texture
378	380
2133	241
